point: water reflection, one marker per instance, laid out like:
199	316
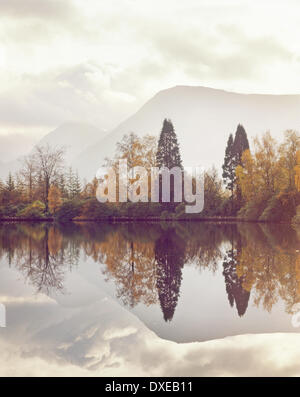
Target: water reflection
237	293
146	262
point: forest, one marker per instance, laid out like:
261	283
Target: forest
260	182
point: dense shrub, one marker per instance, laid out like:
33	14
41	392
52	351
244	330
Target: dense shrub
68	210
140	210
93	209
12	210
33	211
280	208
296	218
252	210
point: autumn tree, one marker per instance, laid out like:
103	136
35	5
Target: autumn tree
90	189
28	174
260	176
297	171
49	162
246	176
54	199
264	179
268	171
213	192
138	151
288	156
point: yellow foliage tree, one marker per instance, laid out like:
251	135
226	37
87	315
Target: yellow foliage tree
54	199
288	156
297	171
138	151
268	170
246	177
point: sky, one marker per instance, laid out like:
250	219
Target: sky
100	61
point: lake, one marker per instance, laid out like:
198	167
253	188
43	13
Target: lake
160	299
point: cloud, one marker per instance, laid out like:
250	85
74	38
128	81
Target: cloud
85	332
226	53
100	61
46	9
81	93
74	341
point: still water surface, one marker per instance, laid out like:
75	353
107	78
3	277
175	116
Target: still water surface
149	299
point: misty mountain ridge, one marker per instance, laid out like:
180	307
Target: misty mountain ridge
72	136
203	119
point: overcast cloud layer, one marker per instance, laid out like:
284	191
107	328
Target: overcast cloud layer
99	61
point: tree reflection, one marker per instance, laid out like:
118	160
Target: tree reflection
234	284
145	261
39	254
170	259
267	263
130	263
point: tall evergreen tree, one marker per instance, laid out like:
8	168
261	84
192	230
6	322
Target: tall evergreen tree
9	191
10	183
168	153
240	144
62	185
70	182
229	166
233	157
76	185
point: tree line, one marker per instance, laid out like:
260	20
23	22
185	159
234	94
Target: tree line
265	183
258	183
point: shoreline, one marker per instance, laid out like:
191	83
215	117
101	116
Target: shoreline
136	220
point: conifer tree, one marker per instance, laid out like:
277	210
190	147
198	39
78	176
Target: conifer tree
240	144
233	158
61	183
229	166
70	182
9	191
10	183
76	185
168	154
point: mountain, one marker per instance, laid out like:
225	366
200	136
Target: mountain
73	136
203	118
